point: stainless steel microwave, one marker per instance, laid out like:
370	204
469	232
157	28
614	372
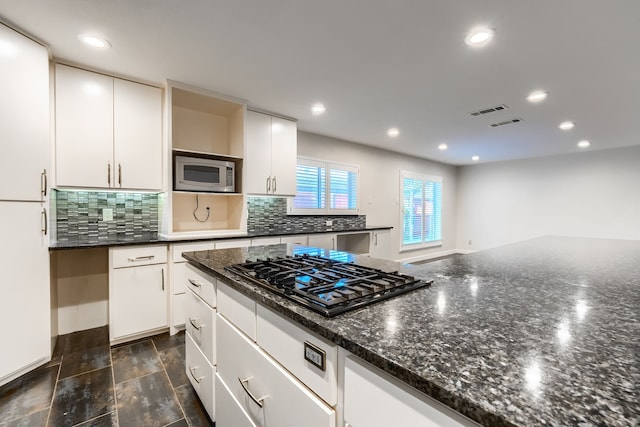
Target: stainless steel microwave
204	175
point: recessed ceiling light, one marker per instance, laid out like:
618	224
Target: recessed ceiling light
584	143
442	147
393	132
479	37
317	109
475	158
566	125
537	96
94	41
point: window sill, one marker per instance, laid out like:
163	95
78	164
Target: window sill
417	246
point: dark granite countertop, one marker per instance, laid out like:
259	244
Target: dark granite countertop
544	332
60	245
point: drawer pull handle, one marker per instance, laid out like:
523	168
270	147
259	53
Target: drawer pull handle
142	258
245	385
194	283
194	324
192	371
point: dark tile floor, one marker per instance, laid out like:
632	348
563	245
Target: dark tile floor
89	384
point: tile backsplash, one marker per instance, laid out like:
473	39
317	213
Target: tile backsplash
268	215
79	216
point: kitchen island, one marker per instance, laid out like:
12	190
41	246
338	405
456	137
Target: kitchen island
541	332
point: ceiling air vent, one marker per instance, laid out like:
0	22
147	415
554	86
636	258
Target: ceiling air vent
489	110
506	122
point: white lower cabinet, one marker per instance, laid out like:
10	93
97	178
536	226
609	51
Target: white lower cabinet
267	392
324	241
232	414
394	403
201	374
137	292
179	280
201	325
381	244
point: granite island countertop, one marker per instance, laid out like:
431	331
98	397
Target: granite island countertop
541	332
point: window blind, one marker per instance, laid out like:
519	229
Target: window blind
421	210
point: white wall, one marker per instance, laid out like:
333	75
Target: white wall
380	187
587	194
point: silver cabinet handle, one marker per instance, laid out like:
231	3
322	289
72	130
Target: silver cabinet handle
268	184
274	185
43	183
375	236
142	258
194	283
162	279
109	173
194	324
192	371
119	174
45	222
245	385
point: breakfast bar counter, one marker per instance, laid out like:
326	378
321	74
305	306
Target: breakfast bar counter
540	332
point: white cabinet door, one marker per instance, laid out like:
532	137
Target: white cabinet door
24	108
257	160
231	413
24	307
267	392
84	128
137	300
398	405
284	149
325	241
271	155
137	136
381	244
108	132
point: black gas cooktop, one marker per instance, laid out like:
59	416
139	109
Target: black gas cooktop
327	286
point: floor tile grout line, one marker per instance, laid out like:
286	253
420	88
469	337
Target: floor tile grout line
94	418
86	372
55	388
164	368
113	383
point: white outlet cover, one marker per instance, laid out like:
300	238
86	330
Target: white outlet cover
107	214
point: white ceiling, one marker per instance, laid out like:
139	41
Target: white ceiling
379	63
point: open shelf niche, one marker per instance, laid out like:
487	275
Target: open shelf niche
204	124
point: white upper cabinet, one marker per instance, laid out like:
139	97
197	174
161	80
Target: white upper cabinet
271	152
108	132
137	148
24	108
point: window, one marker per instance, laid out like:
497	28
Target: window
421	210
325	188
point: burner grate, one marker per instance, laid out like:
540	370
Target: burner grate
326	286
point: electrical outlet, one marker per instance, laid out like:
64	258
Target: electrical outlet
328	223
107	214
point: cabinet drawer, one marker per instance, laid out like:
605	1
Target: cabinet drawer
178	248
201	375
229	412
200	283
139	255
285	342
296	240
238	309
200	324
268	393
